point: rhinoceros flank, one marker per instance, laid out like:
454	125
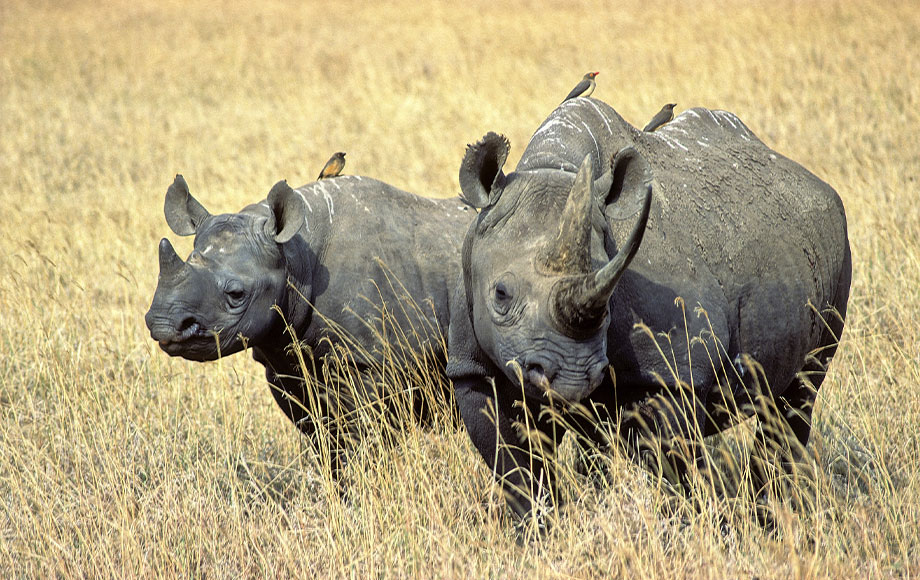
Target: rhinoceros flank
752	243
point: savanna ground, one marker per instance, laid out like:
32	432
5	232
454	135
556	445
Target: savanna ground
116	460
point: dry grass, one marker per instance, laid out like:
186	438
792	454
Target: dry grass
118	461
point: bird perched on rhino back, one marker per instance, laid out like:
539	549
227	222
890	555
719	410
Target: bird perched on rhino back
663	117
334	166
583	88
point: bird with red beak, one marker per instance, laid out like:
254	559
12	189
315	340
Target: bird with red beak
584	88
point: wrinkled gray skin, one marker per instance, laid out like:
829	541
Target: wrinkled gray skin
734	228
316	254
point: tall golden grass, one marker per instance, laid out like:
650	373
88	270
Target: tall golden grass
117	461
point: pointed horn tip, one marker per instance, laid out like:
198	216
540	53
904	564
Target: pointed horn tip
167	252
169	260
607	277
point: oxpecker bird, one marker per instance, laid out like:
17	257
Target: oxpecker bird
584	88
334	166
664	116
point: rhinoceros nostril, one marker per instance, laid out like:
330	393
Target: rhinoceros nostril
187	328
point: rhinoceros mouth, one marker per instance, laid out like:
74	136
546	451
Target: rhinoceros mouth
569	392
568	385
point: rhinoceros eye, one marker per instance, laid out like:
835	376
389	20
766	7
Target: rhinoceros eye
236	294
501	298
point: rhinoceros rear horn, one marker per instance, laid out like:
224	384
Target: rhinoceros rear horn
481	176
183	212
288	213
606	278
631	185
170	262
569	252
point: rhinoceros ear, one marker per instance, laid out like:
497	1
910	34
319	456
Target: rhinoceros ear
183	212
624	189
481	177
288	213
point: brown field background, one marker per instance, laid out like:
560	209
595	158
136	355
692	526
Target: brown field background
117	461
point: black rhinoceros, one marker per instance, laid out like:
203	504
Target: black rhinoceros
734	254
347	262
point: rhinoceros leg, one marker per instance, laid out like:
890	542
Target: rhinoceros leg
797	401
518	466
309	410
659	429
663	432
290	395
785	420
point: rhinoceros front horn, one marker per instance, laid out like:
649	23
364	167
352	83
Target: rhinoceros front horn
170	262
580	302
570	251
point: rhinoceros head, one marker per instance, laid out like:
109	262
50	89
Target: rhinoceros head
538	278
221	297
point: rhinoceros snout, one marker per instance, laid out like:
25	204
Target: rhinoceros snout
166	331
573	384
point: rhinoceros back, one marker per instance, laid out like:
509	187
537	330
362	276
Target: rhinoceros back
750	213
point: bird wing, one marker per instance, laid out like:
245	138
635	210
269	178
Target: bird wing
579	89
656	121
